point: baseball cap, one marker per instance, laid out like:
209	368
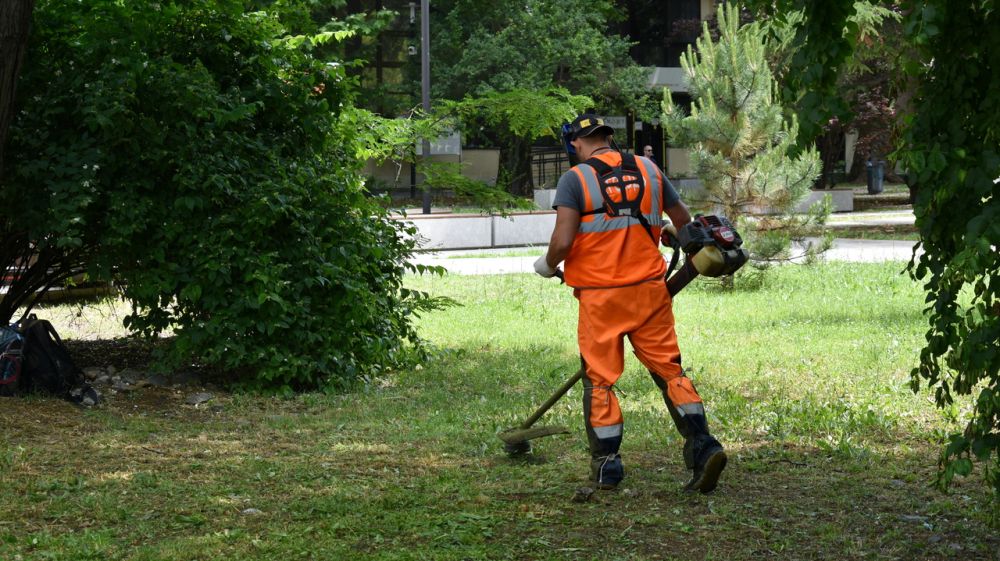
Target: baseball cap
588	124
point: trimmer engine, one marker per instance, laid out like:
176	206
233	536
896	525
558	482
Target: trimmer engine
713	248
713	244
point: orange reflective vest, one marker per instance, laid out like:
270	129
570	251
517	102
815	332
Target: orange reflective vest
615	251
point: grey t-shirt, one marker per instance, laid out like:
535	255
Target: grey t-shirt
569	191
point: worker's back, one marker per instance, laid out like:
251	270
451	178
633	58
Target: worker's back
612	250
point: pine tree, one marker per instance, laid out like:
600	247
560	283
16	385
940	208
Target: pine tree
741	143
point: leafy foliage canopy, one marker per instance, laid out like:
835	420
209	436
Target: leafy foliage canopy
825	34
512	54
195	154
952	148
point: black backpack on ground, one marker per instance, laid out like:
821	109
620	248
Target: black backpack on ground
47	367
11	344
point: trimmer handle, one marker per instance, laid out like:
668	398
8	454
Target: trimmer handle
560	275
681	278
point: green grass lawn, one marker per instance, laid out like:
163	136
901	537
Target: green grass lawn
806	382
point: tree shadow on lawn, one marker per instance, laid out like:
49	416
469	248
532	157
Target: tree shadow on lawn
868	499
410	467
776	502
788	502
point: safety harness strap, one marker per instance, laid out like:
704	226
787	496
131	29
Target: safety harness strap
622	188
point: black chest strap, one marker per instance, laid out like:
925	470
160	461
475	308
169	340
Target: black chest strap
622	189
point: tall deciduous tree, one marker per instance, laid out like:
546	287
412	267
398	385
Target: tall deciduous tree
194	152
741	142
837	79
866	80
480	48
15	19
952	149
824	35
27	265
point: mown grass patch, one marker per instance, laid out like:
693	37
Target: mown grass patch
805	381
893	233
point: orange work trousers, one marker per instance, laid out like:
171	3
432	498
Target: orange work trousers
642	312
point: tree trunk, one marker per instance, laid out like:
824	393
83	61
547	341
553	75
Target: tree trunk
831	151
16	251
15	19
905	107
517	166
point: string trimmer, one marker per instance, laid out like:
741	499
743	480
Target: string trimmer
713	248
517	441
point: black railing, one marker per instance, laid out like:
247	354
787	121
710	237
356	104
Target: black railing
547	165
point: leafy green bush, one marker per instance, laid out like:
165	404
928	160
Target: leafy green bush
442	176
200	160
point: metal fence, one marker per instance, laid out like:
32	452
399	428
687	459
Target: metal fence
547	165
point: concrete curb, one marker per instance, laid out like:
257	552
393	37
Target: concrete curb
475	231
845	250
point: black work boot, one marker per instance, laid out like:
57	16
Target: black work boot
707	470
703	454
606	471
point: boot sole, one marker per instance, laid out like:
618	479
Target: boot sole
604	486
710	474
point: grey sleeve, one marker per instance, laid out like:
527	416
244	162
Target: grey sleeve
569	192
670	195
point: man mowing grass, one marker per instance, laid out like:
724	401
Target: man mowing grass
609	216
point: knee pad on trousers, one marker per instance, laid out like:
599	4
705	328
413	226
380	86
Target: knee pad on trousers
675	415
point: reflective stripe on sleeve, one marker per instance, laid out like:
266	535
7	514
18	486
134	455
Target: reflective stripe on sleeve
655	187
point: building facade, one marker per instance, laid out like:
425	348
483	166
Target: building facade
662	32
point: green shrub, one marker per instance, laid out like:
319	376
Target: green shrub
201	161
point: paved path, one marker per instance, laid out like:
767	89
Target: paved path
870	251
459	262
869	219
500	261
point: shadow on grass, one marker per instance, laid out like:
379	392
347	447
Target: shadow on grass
410	468
120	352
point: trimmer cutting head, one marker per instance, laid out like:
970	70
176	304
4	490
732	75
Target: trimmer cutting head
517	442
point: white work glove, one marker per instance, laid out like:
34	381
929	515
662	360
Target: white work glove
543	269
667	234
